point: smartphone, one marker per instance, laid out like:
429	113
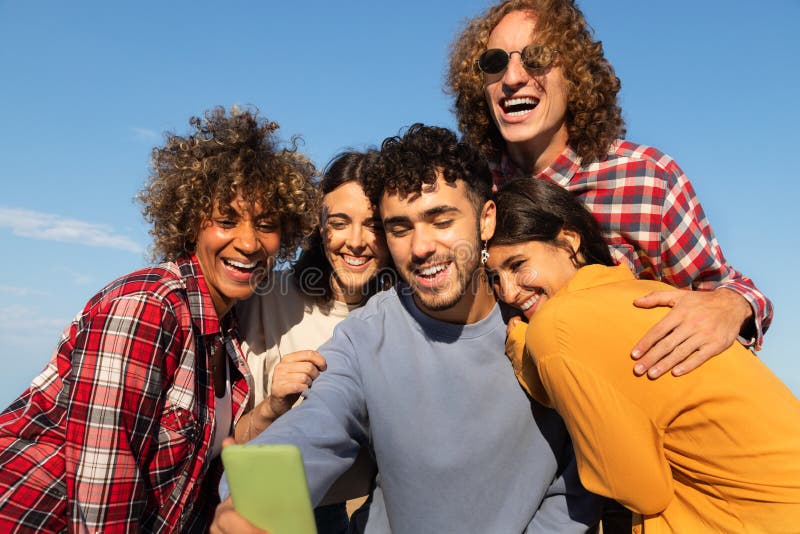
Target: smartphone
269	488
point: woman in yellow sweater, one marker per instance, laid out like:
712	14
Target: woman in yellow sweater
715	450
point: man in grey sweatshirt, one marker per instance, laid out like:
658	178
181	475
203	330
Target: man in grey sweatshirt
419	375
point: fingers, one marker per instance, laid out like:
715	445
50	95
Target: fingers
666	354
310	356
512	323
699	326
296	372
285	369
294	384
661	298
227	521
684	358
515	340
694	361
654	345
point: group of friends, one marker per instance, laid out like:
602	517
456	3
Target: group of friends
529	328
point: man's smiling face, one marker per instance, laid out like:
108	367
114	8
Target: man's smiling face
434	239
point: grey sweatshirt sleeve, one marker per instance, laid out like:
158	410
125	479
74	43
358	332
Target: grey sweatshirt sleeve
330	425
567	506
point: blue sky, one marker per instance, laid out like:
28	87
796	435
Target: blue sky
87	89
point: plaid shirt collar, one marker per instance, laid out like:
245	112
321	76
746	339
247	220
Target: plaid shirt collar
560	171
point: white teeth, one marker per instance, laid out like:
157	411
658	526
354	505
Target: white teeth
520	101
430	271
530	302
241	265
355	261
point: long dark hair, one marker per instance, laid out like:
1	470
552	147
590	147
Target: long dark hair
537	210
312	270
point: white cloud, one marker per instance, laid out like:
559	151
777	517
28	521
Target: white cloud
20	291
144	134
75	277
21	320
50	227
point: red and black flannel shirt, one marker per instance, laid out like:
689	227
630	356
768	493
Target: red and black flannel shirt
651	219
115	434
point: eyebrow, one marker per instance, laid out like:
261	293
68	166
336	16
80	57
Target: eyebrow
337	215
427	214
226	211
510	260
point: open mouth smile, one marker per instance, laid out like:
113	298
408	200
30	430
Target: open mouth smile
356	263
518	106
241	270
528	306
431	276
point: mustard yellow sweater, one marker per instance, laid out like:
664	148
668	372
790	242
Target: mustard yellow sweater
717	450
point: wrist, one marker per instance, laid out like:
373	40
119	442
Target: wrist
262	416
737	302
742	309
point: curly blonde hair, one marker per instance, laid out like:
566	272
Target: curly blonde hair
225	156
594	119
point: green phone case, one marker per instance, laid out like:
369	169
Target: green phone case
268	487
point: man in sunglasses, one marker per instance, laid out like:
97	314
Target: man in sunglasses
534	93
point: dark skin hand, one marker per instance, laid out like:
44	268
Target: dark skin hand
700	325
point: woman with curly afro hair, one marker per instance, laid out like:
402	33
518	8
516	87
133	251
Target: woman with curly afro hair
123	428
536	95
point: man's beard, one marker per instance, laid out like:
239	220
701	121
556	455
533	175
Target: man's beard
465	259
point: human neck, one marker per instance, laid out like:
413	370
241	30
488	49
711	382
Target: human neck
221	305
354	296
474	305
534	156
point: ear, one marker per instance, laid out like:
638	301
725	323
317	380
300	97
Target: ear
572	239
487	220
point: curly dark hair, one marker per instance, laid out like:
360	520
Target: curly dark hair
537	210
408	162
594	119
225	156
312	270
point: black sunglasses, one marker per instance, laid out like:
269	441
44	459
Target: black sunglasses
533	57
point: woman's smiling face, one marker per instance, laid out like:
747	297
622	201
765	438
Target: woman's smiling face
235	247
354	242
527	274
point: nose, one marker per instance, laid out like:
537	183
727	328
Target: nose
422	244
515	74
508	290
355	238
246	239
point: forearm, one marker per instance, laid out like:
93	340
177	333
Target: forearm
692	257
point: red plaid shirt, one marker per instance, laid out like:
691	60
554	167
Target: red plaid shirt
651	220
115	434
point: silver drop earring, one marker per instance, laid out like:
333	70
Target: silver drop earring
485	253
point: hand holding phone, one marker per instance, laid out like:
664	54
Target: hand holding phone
268	487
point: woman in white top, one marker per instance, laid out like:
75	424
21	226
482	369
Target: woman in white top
295	310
